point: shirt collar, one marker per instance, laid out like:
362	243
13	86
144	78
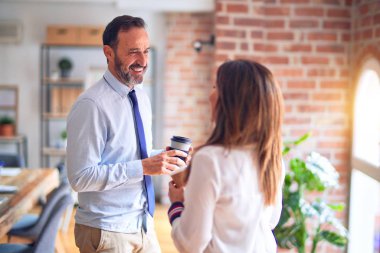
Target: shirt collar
118	86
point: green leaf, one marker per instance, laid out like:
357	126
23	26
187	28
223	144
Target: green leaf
302	138
294	201
285	150
334	238
286	236
285	215
323	169
307	209
337	207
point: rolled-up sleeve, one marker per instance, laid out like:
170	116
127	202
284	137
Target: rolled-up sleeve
192	231
87	136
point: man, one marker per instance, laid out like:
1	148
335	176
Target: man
109	139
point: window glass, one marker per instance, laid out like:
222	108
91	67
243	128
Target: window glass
367	118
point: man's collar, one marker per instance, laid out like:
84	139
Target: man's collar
118	86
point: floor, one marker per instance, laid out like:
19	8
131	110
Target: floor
66	243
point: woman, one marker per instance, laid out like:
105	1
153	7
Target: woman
233	195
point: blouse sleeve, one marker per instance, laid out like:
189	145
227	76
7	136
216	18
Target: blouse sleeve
191	232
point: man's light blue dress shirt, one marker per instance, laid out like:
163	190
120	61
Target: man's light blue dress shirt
103	159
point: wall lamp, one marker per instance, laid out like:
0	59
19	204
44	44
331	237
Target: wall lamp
198	44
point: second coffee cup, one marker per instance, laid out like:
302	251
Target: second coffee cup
183	144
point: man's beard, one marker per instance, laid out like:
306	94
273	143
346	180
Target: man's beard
126	76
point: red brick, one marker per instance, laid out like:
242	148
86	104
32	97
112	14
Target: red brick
337	108
332	144
295	1
219	7
289	72
321	72
346	37
237	8
309	12
257	34
363	9
226	45
330	2
346	25
222	20
310	108
367	34
221	57
296	121
276	11
376	19
344	155
248	22
298	48
265	47
244	46
304	23
230	33
314	60
338	48
274	23
334	84
344	73
327	96
280	36
302	84
276	59
288	108
322	36
295	96
340	60
366	21
339	13
336	132
377	33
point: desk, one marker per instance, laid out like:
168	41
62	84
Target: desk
31	183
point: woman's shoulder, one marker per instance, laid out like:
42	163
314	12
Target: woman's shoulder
210	150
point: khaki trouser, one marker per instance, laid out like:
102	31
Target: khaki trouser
91	240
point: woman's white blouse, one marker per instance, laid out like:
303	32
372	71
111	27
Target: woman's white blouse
224	209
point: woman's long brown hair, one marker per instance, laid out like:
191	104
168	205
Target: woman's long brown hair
249	111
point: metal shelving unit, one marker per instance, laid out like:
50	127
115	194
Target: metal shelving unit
57	96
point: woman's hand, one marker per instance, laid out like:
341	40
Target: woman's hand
188	158
176	194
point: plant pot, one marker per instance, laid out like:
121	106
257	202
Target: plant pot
65	73
7	130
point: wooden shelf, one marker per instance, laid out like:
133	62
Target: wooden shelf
64	82
53	45
49	151
49	115
16	138
8	107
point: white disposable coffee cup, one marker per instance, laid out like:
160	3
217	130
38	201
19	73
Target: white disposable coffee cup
183	144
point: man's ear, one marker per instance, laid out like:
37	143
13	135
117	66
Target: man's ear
108	52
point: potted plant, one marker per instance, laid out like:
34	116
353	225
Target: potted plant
7	126
65	66
302	219
63	136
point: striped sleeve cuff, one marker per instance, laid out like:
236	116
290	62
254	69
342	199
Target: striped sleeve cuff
175	211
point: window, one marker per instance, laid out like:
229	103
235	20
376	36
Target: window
365	187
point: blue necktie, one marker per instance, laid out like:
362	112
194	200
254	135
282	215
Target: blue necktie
143	153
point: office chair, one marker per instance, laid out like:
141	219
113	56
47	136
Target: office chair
46	240
11	160
31	225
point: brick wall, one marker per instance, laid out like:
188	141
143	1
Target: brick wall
366	34
188	77
306	44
